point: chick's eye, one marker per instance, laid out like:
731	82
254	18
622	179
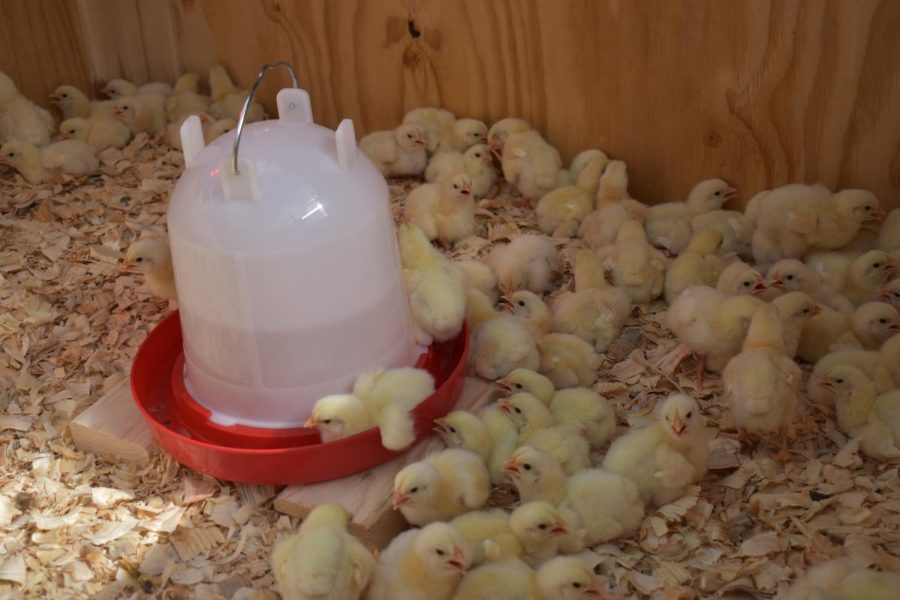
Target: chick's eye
527	466
867	207
667	418
414	490
518	386
439	552
690	412
453	430
327	421
882	321
789	277
877	265
518	410
576	584
719	193
478	155
542	526
139	259
409	135
840	380
455	187
805	311
521	303
747	284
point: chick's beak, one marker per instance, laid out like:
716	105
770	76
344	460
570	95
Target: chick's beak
505	304
504	385
777	284
594	589
511	467
826	385
878	214
890	267
884	296
678	424
895	326
54	98
457	560
504	405
760	286
816	310
399	500
465	191
311	422
729	193
440	428
559	527
126	264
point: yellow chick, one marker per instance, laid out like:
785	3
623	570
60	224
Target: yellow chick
536	426
669	224
531	165
510	579
827	331
735	227
870	362
889	234
529	262
610	505
699	264
152	257
839	221
141	113
99	134
220	83
791	275
432	122
838	579
228	99
504	440
186	103
740	278
859	279
443	485
600	228
545	531
587	168
501	130
613	187
21	120
462	429
525	380
489	535
215	129
444	211
73	103
665	457
536	475
462	135
322	561
437	299
584	408
476	162
37	165
390	395
890	355
421	564
639	268
120	88
890	293
500	342
339	416
398	152
567	578
796	309
874	323
480	277
862	414
560	212
762	383
710	324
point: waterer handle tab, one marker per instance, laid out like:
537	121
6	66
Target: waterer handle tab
240	124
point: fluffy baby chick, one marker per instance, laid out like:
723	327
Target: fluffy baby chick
501	130
710	324
791	275
444	211
839	580
432	122
532	165
796	308
421	564
839	221
858	279
217	129
186	103
462	429
600	228
339	416
536	475
390	395
567	444
476	162
530	382
827	331
397	152
870	362
740	278
862	414
529	262
510	579
437	300
890	355
587	170
152	257
567	578
480	277
762	383
37	165
99	134
560	212
545	531
699	264
462	135
73	103
228	99
669	224
322	560
489	535
443	485
665	457
889	234
639	268
141	113
120	88
504	440
890	293
595	311
735	227
584	408
500	342
874	323
21	120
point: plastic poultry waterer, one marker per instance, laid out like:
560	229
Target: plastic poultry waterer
289	285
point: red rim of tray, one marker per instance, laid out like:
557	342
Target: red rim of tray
274	456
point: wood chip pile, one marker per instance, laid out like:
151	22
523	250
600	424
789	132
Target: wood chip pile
74	526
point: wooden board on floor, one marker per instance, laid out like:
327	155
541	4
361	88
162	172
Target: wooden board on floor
113	428
368	495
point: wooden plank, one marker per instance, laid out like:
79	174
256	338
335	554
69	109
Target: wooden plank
113	428
368	495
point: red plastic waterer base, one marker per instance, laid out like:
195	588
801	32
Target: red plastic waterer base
274	456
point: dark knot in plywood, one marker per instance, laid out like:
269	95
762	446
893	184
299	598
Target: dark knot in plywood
413	30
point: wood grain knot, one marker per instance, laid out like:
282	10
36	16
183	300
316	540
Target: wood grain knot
413	30
712	139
